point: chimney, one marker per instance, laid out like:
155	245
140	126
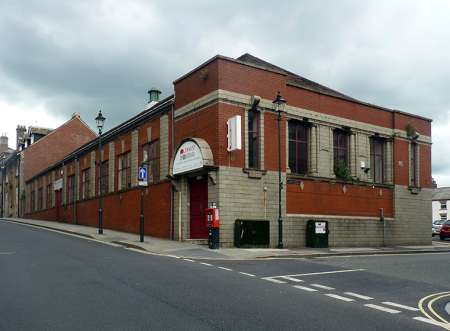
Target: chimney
3	142
20	135
153	98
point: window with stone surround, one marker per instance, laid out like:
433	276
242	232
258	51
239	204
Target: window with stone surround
253	132
32	201
70	189
413	165
40	198
341	142
150	157
377	146
85	184
124	171
49	196
298	147
104	178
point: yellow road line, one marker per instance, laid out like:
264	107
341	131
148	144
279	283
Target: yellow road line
421	302
430	307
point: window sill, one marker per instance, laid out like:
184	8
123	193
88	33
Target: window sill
254	173
294	178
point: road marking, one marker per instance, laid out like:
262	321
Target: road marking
319	273
7	253
323	287
292	279
430	321
421	302
393	304
387	310
223	268
359	296
273	280
339	297
189	260
304	288
207	264
247	274
430	307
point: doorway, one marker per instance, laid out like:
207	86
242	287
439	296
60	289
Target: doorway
198	192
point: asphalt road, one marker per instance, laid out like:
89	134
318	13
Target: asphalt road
51	281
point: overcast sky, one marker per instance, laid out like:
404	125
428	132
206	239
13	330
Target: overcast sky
61	57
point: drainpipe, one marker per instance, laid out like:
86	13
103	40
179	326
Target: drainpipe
394	166
172	191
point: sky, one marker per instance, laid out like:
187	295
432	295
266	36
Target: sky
61	57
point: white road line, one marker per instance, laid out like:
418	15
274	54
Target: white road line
427	320
359	296
7	253
273	280
339	297
320	273
387	310
323	287
189	260
223	268
292	279
247	274
304	288
207	264
393	304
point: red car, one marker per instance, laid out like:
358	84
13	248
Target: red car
445	231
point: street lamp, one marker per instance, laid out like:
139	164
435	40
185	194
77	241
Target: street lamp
100	120
279	104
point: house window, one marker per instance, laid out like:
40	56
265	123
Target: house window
49	195
341	153
85	184
377	159
124	171
150	157
253	139
71	189
413	165
443	204
298	147
443	217
104	178
40	198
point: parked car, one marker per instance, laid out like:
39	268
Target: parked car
436	227
445	230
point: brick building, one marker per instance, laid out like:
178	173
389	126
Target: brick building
363	168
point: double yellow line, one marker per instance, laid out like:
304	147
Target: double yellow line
429	311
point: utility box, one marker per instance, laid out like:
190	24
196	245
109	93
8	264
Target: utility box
317	234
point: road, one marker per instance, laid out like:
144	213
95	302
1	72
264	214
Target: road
52	281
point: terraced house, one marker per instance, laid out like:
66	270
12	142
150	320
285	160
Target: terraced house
363	168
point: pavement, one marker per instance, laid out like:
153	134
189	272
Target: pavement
190	250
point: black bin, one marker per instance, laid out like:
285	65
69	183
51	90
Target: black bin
317	234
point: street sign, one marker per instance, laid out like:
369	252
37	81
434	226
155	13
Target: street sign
142	176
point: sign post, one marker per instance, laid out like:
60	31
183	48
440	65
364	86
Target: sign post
142	180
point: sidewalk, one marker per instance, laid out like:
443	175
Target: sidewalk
187	250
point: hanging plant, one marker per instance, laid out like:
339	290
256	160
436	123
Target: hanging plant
411	131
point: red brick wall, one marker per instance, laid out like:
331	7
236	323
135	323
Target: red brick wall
423	127
323	198
401	171
425	166
55	146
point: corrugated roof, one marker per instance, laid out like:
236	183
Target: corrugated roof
441	193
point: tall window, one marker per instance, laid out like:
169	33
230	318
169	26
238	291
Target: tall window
104	179
413	163
377	159
341	153
85	184
298	147
71	189
124	171
49	196
33	201
40	198
253	139
150	156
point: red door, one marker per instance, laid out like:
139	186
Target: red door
198	188
58	203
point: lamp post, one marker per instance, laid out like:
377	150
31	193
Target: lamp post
100	120
279	104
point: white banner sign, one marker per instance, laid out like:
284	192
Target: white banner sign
188	157
58	184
